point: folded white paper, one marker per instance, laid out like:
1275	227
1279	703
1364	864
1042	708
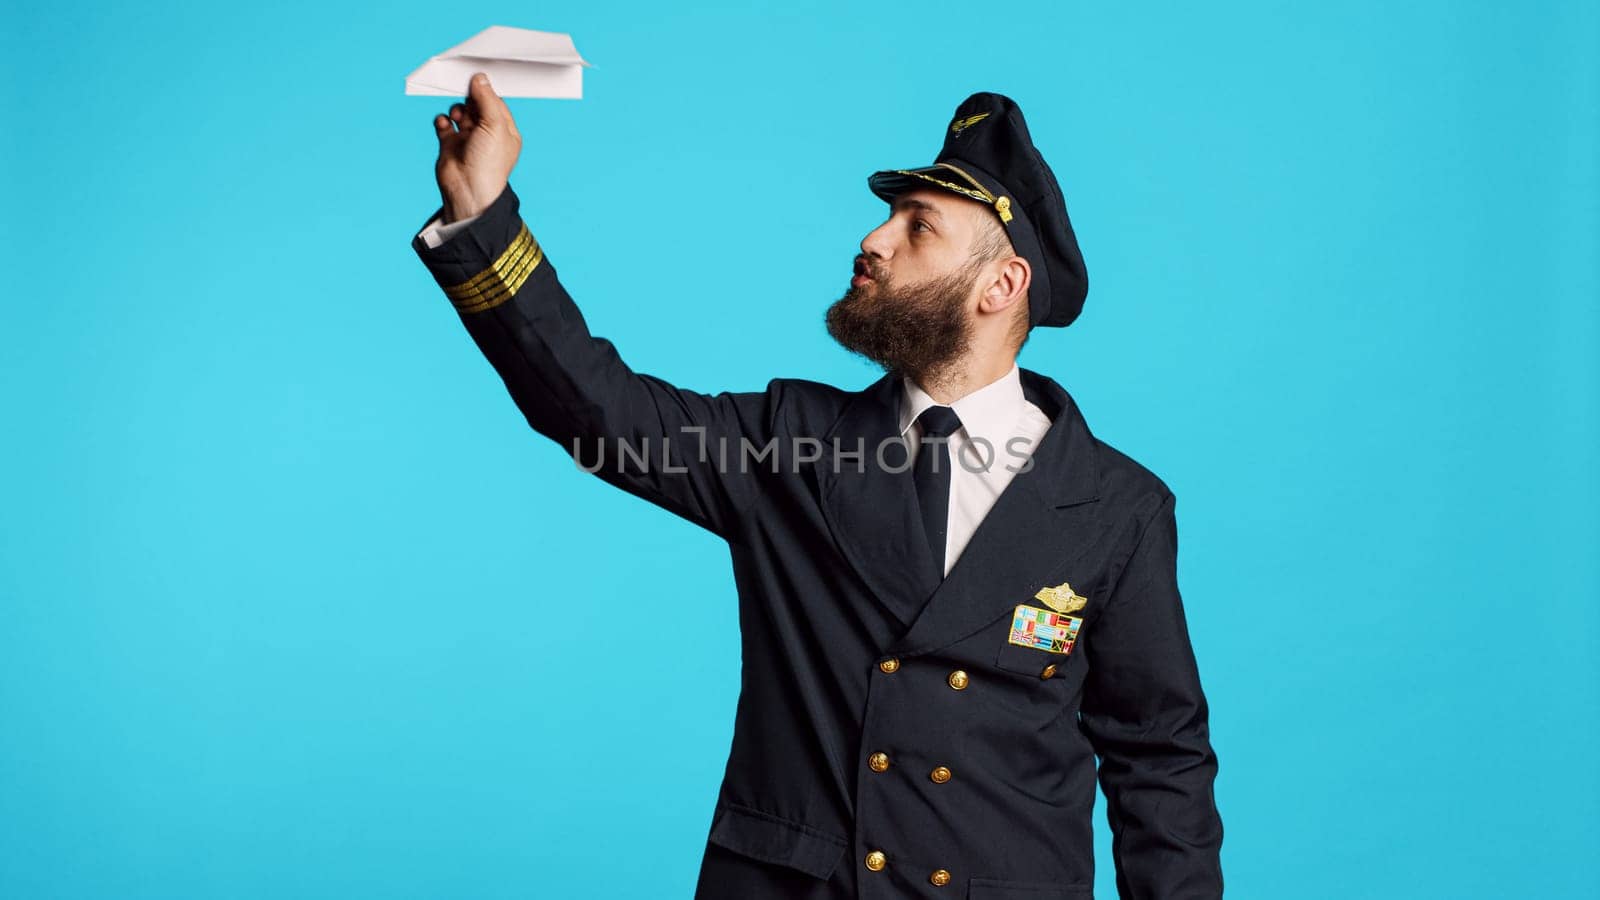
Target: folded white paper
520	63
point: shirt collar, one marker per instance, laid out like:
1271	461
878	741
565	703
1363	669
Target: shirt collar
990	412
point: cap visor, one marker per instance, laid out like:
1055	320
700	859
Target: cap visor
889	182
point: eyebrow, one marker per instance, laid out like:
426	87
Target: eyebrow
923	205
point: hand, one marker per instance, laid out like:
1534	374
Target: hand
478	146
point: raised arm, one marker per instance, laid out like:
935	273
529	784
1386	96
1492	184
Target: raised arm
1145	714
570	385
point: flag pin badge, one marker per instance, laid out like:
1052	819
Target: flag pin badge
1042	629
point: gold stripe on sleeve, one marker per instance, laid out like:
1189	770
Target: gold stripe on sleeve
504	277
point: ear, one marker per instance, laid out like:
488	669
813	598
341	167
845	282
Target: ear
1007	286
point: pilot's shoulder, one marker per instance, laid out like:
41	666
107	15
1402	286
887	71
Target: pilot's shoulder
808	407
806	390
1128	484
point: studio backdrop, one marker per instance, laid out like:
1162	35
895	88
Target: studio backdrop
293	604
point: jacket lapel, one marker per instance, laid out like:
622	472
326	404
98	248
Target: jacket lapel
871	508
1041	524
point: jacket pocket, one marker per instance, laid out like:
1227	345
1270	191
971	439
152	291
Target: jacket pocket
997	889
768	838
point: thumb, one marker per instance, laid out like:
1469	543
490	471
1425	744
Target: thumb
487	106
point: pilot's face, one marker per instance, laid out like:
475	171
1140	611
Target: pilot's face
929	234
907	307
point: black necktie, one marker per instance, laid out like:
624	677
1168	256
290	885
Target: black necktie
931	473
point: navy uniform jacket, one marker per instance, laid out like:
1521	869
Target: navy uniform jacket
890	741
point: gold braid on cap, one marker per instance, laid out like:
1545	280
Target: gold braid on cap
1002	205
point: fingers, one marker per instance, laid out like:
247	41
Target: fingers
482	107
485	104
463	116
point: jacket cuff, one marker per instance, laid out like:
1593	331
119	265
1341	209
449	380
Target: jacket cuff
486	263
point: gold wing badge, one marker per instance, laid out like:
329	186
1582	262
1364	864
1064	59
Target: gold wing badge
960	125
1061	598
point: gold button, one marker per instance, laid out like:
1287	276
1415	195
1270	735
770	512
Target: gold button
878	761
876	860
889	666
959	680
940	775
1048	671
939	878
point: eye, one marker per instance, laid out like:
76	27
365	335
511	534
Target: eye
916	222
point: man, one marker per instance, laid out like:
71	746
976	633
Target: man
952	596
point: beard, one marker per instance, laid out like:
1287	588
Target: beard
918	330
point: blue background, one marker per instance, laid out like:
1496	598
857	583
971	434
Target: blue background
293	603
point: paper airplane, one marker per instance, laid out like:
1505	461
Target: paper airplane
520	63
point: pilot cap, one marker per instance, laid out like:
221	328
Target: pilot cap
989	156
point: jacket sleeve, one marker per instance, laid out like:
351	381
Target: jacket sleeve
1145	714
635	431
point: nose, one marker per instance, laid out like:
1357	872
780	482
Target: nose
876	243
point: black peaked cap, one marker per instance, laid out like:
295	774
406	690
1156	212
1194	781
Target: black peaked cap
989	156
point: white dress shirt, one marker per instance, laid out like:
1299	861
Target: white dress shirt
999	430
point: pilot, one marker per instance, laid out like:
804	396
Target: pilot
958	615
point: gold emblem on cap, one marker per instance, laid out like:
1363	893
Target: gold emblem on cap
960	125
1061	598
1003	207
